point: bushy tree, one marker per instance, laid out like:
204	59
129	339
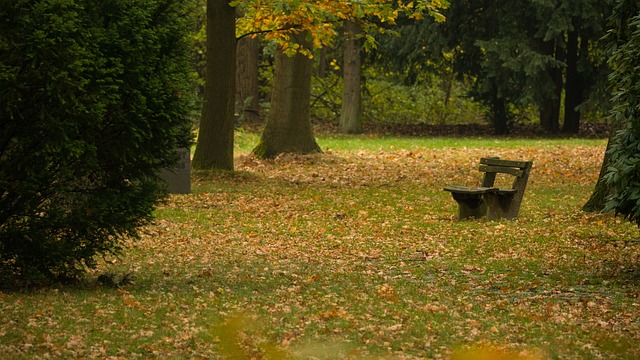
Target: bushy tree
622	175
94	96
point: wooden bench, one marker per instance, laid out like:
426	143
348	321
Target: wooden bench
487	200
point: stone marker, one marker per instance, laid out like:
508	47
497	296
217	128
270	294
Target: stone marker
178	178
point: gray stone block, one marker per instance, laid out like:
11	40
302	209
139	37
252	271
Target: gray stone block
178	178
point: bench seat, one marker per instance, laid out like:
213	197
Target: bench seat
471	190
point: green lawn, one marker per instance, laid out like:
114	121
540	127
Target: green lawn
356	254
245	141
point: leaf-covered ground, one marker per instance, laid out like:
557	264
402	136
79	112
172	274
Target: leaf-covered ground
355	254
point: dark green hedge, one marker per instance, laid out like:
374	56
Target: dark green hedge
94	96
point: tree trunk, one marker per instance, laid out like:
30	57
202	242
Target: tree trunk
597	201
247	104
500	119
448	77
498	111
550	108
350	121
322	63
573	87
550	117
288	127
215	139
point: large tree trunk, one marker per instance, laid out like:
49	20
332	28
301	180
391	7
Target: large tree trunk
350	121
247	104
573	87
288	126
215	139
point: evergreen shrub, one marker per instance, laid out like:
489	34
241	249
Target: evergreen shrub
623	173
94	97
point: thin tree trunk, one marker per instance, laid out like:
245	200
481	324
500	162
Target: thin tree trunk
573	88
350	121
288	127
550	108
322	63
501	123
215	139
498	111
246	104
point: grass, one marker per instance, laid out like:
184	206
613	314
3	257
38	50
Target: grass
356	254
245	141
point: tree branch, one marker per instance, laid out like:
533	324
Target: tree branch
259	32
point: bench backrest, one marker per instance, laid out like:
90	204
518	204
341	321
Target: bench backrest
493	165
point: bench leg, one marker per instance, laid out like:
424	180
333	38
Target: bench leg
499	206
470	205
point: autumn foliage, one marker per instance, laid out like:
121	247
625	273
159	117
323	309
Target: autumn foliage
277	19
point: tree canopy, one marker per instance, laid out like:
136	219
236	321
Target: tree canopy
321	19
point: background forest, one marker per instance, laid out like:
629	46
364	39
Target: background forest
539	64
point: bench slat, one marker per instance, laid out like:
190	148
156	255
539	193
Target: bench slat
500	162
506	191
501	169
469	189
